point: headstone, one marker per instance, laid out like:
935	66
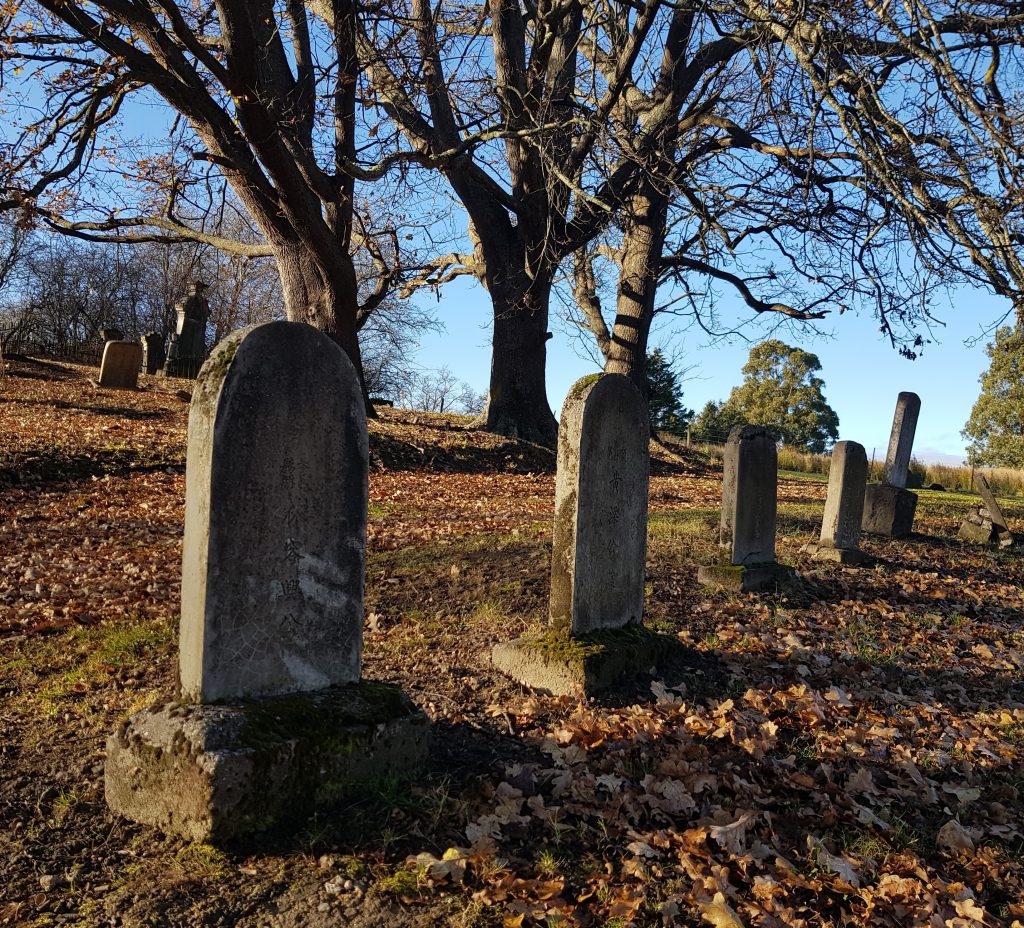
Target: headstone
111	334
901	439
272	715
119	368
599	548
153	355
749	499
187	351
844	506
275	519
888	506
986	524
600	533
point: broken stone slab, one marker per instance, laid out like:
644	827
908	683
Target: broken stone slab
994	510
888	510
746	578
214	772
119	369
977	531
561	664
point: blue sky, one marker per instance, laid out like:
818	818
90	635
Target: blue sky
863	374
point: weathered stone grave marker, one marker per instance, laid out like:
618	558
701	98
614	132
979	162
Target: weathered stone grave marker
844	506
153	353
888	506
599	548
749	501
119	369
274	717
986	523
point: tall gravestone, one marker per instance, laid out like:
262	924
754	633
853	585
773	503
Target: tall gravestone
274	713
119	368
749	501
844	506
599	544
153	353
888	506
599	547
186	349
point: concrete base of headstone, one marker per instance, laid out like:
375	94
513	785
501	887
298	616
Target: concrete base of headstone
848	557
888	510
757	578
213	772
558	664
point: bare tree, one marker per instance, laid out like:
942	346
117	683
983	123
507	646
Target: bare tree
266	99
824	158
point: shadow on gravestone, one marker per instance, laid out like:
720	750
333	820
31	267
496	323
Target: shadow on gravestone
273	715
599	549
749	503
888	506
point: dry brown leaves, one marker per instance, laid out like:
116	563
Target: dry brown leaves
866	766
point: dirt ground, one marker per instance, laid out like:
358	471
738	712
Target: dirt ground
846	751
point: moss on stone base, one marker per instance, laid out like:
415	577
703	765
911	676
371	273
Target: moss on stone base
562	664
752	578
211	772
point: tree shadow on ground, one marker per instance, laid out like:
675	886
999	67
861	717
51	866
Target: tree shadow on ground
54	466
123	412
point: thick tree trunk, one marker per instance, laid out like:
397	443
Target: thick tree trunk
638	285
326	301
517	403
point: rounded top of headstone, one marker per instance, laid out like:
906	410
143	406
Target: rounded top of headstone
908	398
749	433
305	346
597	390
850	448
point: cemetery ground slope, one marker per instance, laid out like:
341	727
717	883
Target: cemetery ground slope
849	751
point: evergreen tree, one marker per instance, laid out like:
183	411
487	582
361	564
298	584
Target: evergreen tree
714	422
996	426
665	396
781	391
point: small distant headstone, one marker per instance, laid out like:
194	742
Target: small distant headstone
986	524
599	547
111	334
749	501
272	602
153	354
844	506
888	506
119	369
